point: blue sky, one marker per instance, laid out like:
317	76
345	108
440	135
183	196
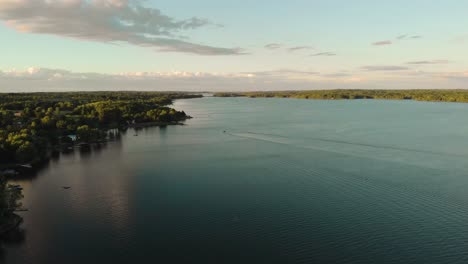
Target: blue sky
233	45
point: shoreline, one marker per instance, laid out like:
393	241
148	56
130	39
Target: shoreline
15	170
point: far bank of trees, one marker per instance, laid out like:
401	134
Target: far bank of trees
418	95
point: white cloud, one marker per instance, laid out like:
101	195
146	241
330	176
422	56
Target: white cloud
107	21
36	79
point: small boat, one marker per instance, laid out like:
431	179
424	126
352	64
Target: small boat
66	187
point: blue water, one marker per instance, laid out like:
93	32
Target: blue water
261	181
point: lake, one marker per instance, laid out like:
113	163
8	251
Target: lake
261	181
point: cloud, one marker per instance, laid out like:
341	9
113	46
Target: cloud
428	62
462	76
42	79
337	75
384	68
46	74
283	73
273	46
327	54
37	79
460	39
299	48
382	43
109	21
406	36
400	37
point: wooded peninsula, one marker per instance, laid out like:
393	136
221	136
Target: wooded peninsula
417	95
34	124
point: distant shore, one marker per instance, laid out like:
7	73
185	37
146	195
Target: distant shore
155	124
460	96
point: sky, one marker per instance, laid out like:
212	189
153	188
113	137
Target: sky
209	45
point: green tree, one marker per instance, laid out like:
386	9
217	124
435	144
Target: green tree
9	199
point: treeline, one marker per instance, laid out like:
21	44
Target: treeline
418	95
32	124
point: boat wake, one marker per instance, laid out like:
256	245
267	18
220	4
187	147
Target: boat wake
280	139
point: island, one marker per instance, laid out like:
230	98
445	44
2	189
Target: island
417	95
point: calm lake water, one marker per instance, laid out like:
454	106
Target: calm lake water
290	181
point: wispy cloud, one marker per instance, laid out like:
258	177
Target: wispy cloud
382	43
326	54
299	48
428	62
283	73
46	74
406	36
461	39
108	21
273	46
337	75
453	75
384	68
402	37
398	38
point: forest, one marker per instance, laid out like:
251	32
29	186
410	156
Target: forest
34	124
418	95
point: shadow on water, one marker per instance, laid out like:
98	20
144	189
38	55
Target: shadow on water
55	156
85	151
13	238
31	173
98	148
17	236
163	132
